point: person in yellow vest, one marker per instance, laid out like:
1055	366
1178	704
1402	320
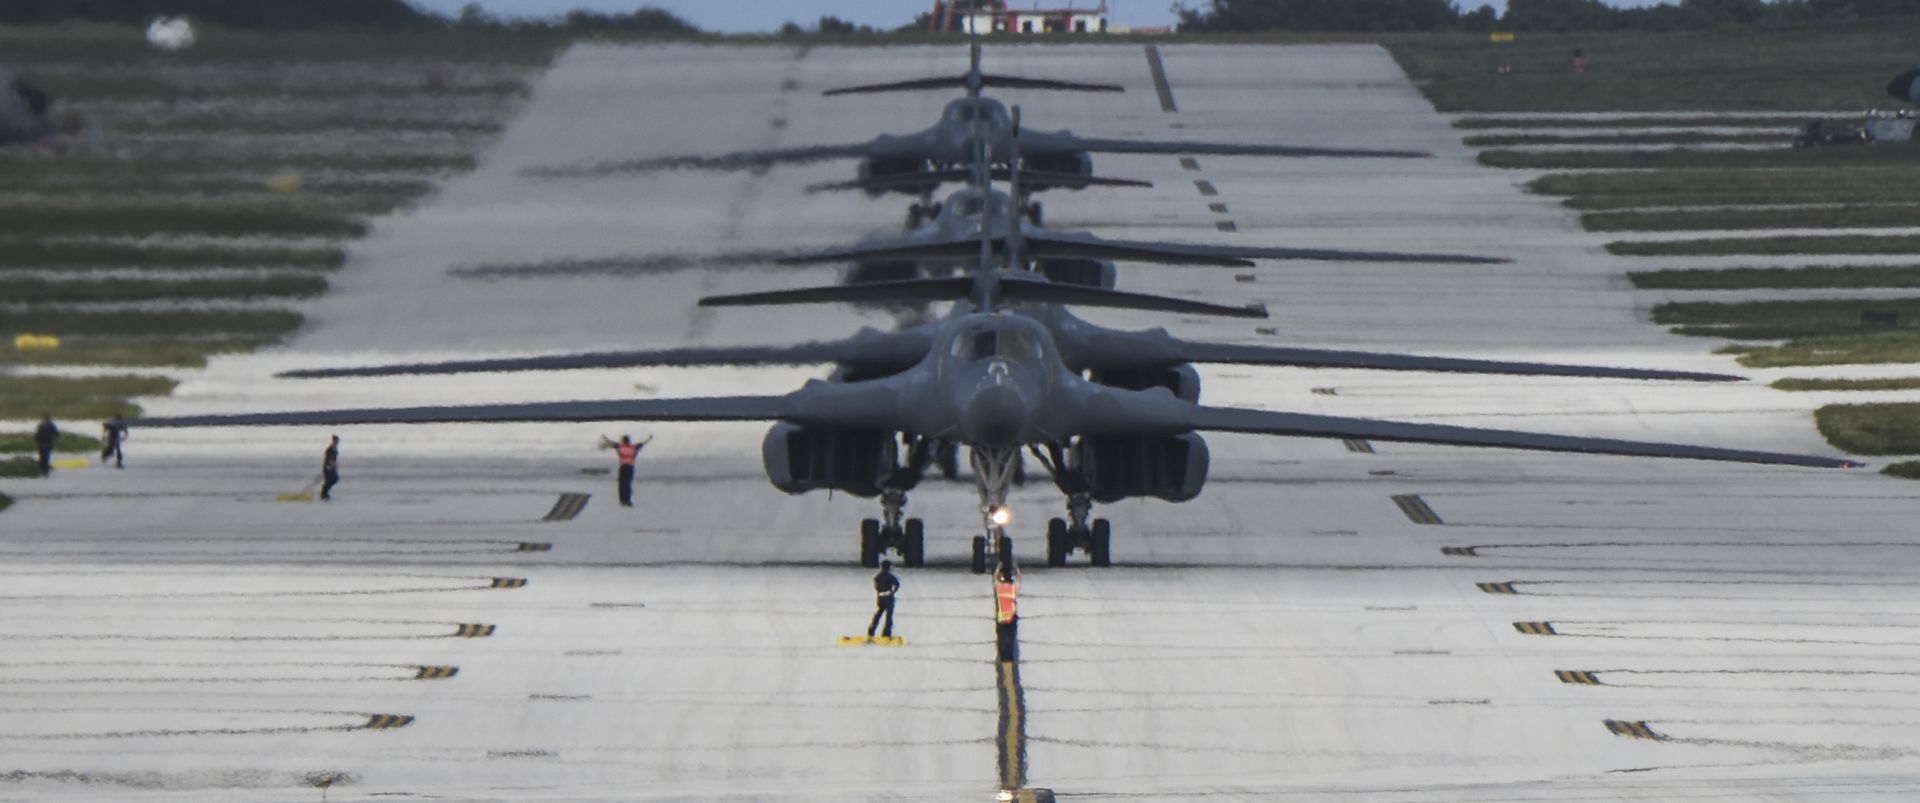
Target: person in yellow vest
1006	613
628	451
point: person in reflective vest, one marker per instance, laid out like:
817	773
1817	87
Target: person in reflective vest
885	585
628	451
1006	613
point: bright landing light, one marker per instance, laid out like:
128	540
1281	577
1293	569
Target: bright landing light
1000	515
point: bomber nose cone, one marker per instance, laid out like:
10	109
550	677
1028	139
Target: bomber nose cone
995	416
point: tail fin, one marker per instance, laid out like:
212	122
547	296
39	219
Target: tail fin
973	81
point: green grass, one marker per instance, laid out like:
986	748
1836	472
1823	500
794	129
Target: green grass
1663	138
1882	347
191	354
1803	277
239	323
41	291
262	124
1803	385
95	398
1781	319
69	443
1477	123
228	47
1772	246
1909	470
1855	185
1833	66
1897	154
1843	217
19	468
33	254
158	169
175	218
5	501
1890	428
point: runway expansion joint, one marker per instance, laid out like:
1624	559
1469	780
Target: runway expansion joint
527	546
1461	551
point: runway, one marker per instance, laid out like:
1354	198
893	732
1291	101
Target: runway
1329	621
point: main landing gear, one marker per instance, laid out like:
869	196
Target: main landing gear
1074	532
907	536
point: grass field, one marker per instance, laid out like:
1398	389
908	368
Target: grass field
1883	347
1803	385
1839	66
44	218
69	443
1891	245
28	254
1781	319
1842	217
42	291
18	468
95	398
1903	154
137	354
1811	276
246	323
1663	138
1628	121
1906	470
1871	428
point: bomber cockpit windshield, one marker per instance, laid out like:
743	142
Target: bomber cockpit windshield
969	111
1012	345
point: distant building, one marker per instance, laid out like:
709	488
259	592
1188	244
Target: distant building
998	18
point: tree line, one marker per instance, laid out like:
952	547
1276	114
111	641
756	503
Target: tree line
291	14
1248	16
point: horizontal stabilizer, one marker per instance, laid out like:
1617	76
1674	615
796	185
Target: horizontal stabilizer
1038	291
1032	178
1052	246
961	82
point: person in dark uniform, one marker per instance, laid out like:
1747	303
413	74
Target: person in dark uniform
885	585
44	437
628	451
115	431
330	468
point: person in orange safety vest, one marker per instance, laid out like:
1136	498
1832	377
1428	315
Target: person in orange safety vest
628	451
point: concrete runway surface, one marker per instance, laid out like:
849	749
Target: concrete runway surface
1329	621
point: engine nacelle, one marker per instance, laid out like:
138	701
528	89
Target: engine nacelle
1079	164
1122	467
876	168
1182	380
799	460
1906	86
1083	272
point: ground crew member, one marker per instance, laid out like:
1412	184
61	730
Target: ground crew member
1006	614
885	585
627	450
116	431
330	468
44	437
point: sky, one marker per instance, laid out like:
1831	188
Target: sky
734	16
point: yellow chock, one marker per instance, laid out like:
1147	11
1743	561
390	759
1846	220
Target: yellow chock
72	462
295	497
872	641
31	342
284	182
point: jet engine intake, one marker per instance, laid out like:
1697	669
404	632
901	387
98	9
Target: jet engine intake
1125	466
1083	272
1080	164
871	169
799	460
1182	380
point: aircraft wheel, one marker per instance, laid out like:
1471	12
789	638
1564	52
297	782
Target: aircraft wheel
1057	544
913	543
1005	558
979	554
1033	212
870	543
1102	540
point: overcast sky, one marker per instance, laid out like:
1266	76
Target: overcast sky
767	15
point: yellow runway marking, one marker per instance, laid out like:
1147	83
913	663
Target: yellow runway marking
1535	628
1579	677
